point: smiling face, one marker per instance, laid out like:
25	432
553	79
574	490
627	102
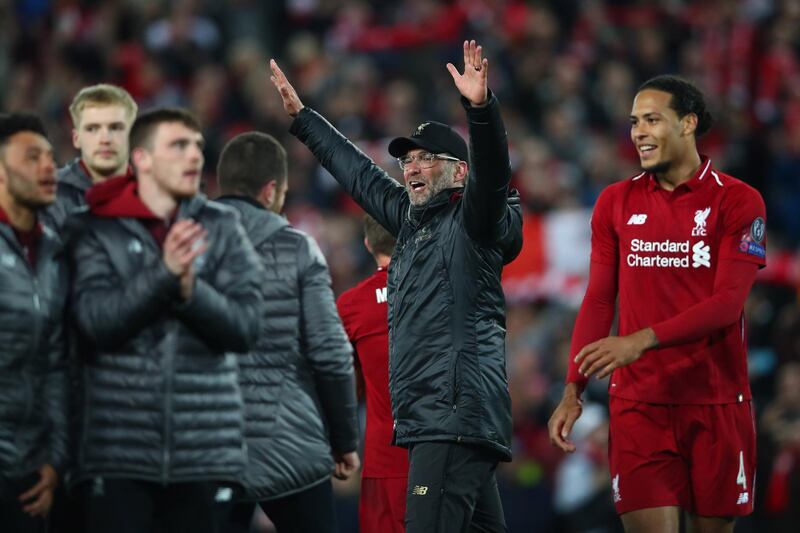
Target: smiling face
27	170
102	137
423	184
174	161
662	139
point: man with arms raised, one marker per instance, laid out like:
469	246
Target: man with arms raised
166	287
679	245
446	314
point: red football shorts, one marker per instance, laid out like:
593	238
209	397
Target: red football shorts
382	506
699	457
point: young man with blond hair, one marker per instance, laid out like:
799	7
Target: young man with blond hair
101	118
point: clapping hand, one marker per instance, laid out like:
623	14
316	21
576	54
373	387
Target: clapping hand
185	241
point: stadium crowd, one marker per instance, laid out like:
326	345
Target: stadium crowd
565	73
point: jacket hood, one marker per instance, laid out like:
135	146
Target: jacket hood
259	223
116	198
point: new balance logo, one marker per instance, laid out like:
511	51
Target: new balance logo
380	295
8	260
637	220
135	246
615	488
419	490
743	499
98	487
701	255
224	494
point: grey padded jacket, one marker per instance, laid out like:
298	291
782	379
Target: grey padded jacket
298	380
33	377
161	397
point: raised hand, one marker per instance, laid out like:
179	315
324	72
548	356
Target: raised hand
291	102
473	83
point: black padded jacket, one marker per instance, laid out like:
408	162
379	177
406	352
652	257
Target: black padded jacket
447	368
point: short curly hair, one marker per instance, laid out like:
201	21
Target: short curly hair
686	98
13	123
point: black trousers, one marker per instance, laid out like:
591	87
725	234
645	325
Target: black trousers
309	511
132	506
452	489
66	515
12	518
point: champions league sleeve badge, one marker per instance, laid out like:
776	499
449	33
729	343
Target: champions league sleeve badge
757	229
751	241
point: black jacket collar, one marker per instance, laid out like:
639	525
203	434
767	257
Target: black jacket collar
419	214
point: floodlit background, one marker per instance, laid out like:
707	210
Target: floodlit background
565	73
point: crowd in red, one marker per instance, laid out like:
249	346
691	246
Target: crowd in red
565	73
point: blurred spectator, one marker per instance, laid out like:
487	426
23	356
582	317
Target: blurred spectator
780	427
583	495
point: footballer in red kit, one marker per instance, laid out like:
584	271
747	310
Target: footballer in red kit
363	310
675	250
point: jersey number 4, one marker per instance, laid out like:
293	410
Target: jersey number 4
741	478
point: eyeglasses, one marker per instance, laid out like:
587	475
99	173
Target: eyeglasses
424	159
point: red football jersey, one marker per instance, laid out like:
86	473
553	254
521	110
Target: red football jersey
667	248
363	310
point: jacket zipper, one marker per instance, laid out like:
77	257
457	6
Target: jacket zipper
395	267
169	363
37	329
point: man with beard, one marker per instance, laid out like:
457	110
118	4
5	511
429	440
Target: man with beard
446	313
33	380
101	118
167	287
297	383
678	246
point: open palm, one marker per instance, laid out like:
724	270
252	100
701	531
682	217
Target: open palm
291	102
473	83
